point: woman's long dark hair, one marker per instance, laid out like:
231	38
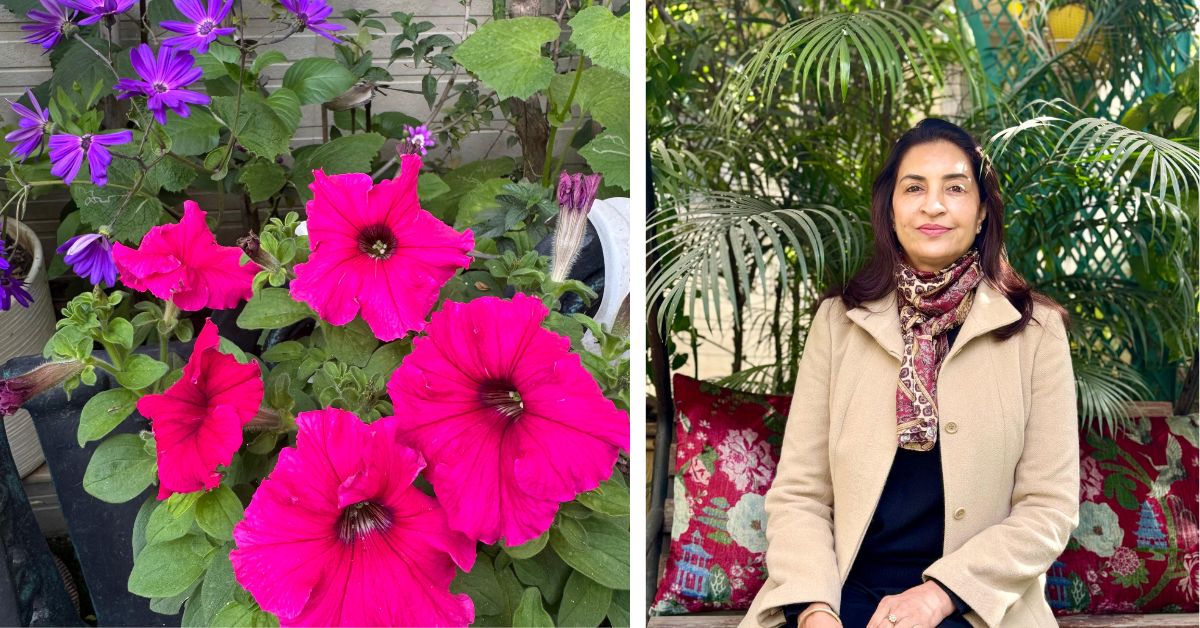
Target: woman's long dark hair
877	278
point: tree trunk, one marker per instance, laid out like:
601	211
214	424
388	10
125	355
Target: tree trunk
529	120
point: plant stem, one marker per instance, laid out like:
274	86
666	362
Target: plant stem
107	62
566	109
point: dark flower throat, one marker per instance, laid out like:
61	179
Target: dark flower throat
361	520
378	241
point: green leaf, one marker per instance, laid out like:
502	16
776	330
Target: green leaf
141	371
168	523
241	615
102	206
546	571
255	124
272	308
391	124
194	135
77	67
218	511
171	605
265	59
119	470
610	498
317	79
462	180
601	93
608	154
262	179
218	588
618	609
430	186
387	358
476	200
119	332
167	569
350	153
171	175
584	603
507	55
595	546
104	412
528	549
286	105
352	343
530	611
603	37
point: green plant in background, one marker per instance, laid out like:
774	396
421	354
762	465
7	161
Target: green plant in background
773	142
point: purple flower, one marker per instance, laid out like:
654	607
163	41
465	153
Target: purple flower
98	9
4	265
31	128
12	287
202	28
90	256
311	14
577	192
163	80
420	137
51	25
68	151
14	392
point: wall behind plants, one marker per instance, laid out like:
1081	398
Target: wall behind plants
23	65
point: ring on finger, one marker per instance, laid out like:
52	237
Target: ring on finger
892	618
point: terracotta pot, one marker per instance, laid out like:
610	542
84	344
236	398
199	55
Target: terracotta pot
24	331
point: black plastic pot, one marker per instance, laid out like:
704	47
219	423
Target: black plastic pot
100	532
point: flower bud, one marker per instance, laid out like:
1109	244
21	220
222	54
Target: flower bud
15	392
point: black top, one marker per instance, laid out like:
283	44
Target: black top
906	532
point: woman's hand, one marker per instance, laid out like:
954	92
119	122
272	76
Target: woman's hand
923	606
819	620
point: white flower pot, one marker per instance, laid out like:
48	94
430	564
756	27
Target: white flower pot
25	332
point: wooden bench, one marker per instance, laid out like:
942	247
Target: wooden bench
655	448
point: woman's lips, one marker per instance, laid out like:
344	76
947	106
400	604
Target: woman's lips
933	230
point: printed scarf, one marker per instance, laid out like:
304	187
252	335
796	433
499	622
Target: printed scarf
931	304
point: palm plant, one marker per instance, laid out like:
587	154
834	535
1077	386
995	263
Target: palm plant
764	162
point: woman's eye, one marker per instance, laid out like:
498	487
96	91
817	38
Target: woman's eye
957	188
912	188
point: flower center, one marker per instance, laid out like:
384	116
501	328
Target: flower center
205	27
160	87
85	141
362	519
378	241
503	398
302	19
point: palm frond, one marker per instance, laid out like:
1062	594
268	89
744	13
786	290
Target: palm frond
883	41
1105	391
715	242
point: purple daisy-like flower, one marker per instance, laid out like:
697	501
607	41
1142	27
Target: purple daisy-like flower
90	256
311	14
163	79
50	25
420	137
98	9
201	29
67	153
31	128
12	289
4	265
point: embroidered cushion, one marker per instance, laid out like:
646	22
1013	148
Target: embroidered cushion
727	448
1135	549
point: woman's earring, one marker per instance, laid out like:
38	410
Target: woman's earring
978	229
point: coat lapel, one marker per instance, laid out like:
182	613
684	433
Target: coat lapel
881	319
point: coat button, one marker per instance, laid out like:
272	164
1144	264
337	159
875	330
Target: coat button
951	427
960	513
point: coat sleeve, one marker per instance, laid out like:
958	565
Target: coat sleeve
996	566
801	564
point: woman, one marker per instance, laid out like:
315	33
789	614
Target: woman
930	467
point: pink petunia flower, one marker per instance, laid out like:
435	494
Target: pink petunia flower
376	251
197	422
511	423
339	536
183	263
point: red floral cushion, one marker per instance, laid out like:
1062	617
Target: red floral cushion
1135	550
728	445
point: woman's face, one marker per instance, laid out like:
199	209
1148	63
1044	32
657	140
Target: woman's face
935	205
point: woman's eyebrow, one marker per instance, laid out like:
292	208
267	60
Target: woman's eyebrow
945	177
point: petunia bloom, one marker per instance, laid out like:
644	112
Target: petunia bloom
197	422
31	128
163	80
99	9
420	137
311	15
376	251
183	263
90	256
67	153
50	25
338	535
511	423
16	391
576	193
201	29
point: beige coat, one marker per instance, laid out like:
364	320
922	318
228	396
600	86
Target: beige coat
1009	448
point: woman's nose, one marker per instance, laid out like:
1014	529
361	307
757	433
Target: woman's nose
933	205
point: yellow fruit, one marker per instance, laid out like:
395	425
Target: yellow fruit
1066	23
